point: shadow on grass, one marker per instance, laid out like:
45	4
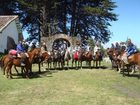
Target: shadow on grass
132	75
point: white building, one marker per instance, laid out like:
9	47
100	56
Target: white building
10	32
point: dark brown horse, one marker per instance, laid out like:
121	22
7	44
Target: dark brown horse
86	56
113	56
8	61
98	58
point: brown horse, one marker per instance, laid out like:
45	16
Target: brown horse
98	58
43	59
129	62
8	61
113	56
86	56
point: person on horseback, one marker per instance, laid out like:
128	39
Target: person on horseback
20	49
131	48
97	47
87	49
112	46
77	47
117	46
43	46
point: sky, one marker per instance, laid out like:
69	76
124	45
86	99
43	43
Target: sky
127	25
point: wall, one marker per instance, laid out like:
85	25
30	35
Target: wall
10	30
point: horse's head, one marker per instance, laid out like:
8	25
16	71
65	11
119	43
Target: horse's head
113	54
35	54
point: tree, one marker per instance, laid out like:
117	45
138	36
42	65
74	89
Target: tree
73	17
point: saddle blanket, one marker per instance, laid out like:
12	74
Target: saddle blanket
76	55
12	52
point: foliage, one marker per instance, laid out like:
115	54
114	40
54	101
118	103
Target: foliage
82	17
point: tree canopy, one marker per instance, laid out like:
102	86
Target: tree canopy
73	17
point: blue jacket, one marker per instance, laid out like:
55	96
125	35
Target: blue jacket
131	49
20	48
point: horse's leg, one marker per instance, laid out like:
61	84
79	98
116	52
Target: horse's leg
4	69
48	66
133	69
55	64
72	63
128	69
76	67
26	72
81	66
16	70
39	68
9	74
99	63
68	64
90	64
96	63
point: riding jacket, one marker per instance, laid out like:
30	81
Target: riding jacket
19	48
131	49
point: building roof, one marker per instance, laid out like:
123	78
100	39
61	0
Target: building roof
5	20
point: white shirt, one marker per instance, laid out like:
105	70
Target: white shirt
96	48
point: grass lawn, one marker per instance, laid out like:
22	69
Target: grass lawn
71	87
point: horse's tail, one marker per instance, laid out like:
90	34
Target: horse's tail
2	62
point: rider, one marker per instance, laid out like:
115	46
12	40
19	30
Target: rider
87	48
20	49
77	47
117	46
112	46
96	48
131	48
43	46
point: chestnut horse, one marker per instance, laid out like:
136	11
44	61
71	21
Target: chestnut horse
8	61
113	56
86	56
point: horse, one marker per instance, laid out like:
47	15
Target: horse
124	62
113	56
118	58
85	56
49	60
43	58
57	58
98	58
35	58
8	61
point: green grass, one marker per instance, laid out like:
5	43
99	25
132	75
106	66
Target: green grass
71	87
